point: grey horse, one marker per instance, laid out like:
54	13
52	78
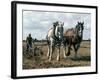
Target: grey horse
54	39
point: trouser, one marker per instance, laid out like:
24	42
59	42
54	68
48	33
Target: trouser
29	46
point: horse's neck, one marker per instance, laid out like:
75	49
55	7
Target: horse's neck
56	31
76	31
81	36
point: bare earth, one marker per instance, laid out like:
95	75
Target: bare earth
39	60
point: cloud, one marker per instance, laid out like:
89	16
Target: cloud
38	23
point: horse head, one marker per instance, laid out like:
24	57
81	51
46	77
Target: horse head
59	30
55	23
80	28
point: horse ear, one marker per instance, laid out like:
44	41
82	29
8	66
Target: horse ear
55	23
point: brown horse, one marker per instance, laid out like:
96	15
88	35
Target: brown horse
73	37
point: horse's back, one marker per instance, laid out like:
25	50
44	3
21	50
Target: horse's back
50	33
69	33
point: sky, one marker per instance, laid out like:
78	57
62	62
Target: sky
37	23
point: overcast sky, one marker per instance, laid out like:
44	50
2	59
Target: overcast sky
38	22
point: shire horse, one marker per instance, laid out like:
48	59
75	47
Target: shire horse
73	37
54	39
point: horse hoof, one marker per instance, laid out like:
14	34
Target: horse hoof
49	59
65	57
58	59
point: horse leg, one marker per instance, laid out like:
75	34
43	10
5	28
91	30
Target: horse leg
51	52
75	49
69	47
64	53
33	49
48	54
27	47
58	54
78	45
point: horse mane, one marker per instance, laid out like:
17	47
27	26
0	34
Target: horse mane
50	28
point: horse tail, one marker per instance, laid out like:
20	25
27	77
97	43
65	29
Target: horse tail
47	39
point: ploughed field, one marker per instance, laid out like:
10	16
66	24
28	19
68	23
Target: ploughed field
37	58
